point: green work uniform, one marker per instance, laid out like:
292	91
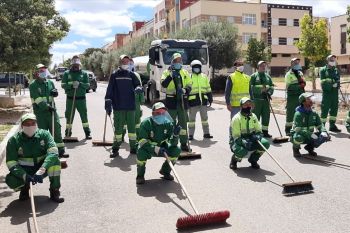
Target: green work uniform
80	100
151	137
294	87
330	83
347	123
243	128
26	155
41	100
261	88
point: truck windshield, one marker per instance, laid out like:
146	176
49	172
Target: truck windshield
61	70
188	55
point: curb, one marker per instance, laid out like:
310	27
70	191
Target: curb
3	144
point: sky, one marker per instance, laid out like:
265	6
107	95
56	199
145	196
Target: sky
95	22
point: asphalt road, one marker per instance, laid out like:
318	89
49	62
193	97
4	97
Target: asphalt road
101	194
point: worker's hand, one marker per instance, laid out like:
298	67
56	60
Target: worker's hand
139	90
76	84
181	91
108	106
229	107
29	179
50	108
177	130
175	73
256	137
160	151
37	178
54	92
247	144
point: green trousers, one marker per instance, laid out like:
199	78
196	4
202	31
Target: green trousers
44	121
301	138
240	151
180	117
292	104
80	105
143	155
53	172
122	118
262	109
329	105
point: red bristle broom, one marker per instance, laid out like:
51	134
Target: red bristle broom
197	219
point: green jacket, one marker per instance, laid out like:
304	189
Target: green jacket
243	127
293	83
23	152
305	122
330	79
347	124
40	94
258	81
152	135
139	98
67	83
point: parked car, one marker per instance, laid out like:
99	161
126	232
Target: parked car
92	81
59	73
12	79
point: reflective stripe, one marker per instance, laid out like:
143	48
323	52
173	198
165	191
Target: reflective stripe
122	78
332	118
324	120
297	129
38	100
140	163
52	150
70	83
11	164
205	123
68	126
191	124
137	126
327	80
125	127
172	159
289	124
26	163
118	137
183	132
32	100
86	125
142	142
264	127
60	144
132	136
54	170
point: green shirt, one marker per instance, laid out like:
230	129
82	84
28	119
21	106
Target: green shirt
305	122
330	79
293	83
258	81
40	94
67	83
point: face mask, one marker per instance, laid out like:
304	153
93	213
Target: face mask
331	63
162	119
240	68
75	68
196	70
29	130
131	67
124	67
177	66
246	111
296	67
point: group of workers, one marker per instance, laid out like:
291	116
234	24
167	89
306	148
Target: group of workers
33	153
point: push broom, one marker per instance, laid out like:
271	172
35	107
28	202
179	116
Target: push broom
68	138
36	228
103	142
280	139
294	187
197	219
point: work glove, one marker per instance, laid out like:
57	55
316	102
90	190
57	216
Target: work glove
76	84
210	99
247	144
139	90
256	137
177	130
54	92
29	179
37	178
50	108
108	106
181	91
160	151
175	74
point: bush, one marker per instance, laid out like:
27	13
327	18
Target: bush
218	83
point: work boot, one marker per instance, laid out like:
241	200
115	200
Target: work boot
114	153
62	154
140	180
68	134
133	151
24	194
254	164
207	135
266	134
166	176
233	163
296	152
190	137
184	147
88	136
334	128
55	195
309	148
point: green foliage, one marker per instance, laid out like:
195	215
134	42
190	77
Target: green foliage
348	31
89	51
27	31
257	51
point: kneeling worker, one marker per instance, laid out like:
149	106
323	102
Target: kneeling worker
158	137
31	155
246	132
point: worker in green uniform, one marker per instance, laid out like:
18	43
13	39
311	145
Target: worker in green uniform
177	83
246	133
330	83
31	155
42	91
347	123
304	124
295	86
261	90
157	137
75	82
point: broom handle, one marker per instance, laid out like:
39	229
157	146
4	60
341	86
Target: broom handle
33	208
71	113
110	118
272	157
104	130
273	113
181	184
53	120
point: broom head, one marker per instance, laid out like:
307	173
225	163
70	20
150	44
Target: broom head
280	139
63	163
70	139
202	219
102	143
297	187
189	155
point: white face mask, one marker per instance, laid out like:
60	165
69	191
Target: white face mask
29	130
124	67
240	68
332	63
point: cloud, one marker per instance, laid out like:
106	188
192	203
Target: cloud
58	56
109	39
70	46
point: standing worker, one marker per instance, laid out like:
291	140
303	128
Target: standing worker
42	91
31	155
330	83
261	90
246	132
75	82
304	124
199	99
295	85
120	96
157	137
178	86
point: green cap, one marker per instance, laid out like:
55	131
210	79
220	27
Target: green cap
175	55
304	96
158	105
28	116
244	100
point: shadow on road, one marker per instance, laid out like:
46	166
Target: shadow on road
72	145
6	191
207	228
123	164
253	175
304	160
204	143
340	135
21	211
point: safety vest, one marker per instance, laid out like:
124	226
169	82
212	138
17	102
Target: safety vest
243	126
200	88
185	81
240	87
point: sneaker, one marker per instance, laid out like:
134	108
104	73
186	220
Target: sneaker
88	136
296	152
184	147
166	176
140	180
190	137
255	165
310	149
266	134
334	128
207	135
24	194
55	196
233	164
114	153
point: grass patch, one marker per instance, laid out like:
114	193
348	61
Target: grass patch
4	129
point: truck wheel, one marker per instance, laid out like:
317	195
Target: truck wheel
152	95
94	90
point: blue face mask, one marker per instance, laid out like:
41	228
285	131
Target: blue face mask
131	67
42	75
177	66
296	67
196	70
161	119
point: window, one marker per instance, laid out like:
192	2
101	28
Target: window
286	55
155	17
343	28
274	55
296	22
246	37
282	41
249	19
263	24
282	22
230	19
213	18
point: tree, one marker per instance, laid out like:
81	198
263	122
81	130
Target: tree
348	13
313	42
257	51
27	31
89	51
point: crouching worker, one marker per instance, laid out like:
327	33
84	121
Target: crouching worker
31	155
157	137
246	133
304	123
